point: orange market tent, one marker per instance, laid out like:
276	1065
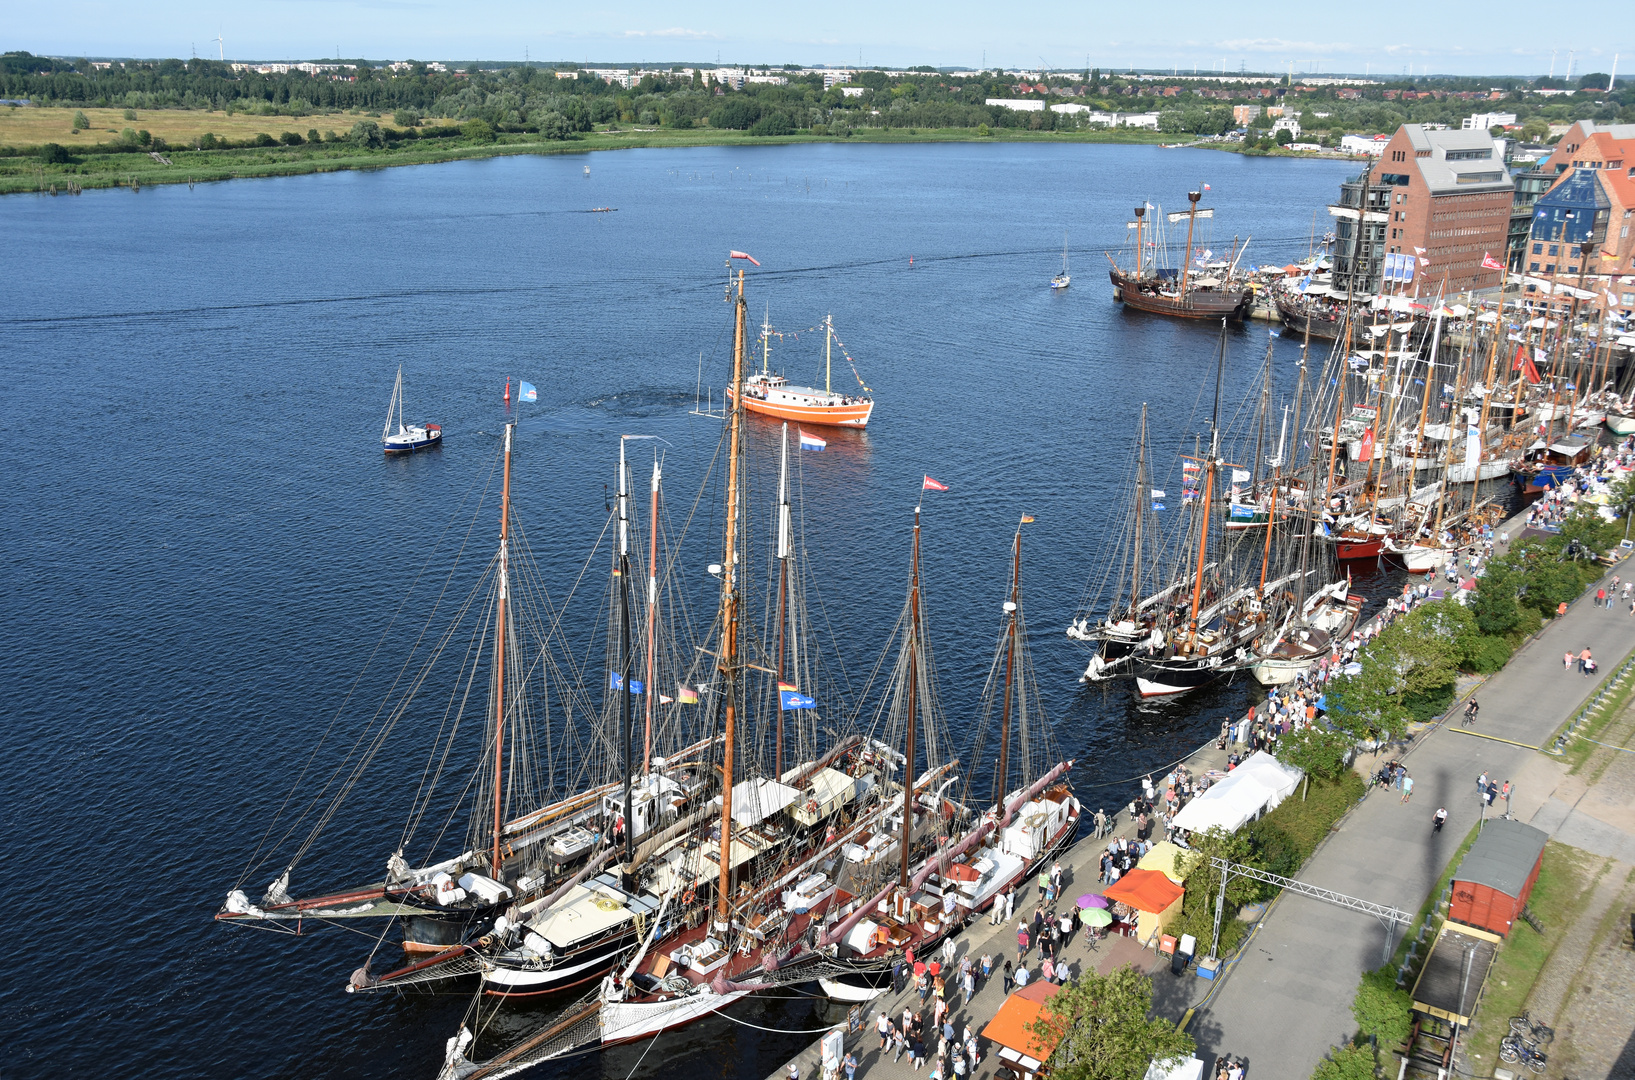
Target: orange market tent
1020	1050
1154	895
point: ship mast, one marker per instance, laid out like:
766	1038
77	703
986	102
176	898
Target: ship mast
499	652
828	351
1140	213
1140	511
1209	479
783	590
728	666
624	687
913	684
1192	218
1011	609
651	689
1487	398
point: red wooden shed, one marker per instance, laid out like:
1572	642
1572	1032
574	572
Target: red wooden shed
1497	876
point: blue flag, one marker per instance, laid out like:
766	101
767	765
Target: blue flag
794	699
615	680
526	392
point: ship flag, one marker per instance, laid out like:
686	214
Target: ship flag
794	699
811	442
686	695
933	485
615	681
526	391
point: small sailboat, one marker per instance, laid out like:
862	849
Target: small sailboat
408	437
1062	280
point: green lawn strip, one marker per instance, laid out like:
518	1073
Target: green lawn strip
1578	749
25	172
1565	882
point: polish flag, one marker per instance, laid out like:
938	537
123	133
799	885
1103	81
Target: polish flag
932	485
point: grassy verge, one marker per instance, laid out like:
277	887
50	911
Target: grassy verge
1579	749
1565	882
26	172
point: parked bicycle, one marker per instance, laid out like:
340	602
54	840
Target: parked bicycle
1525	1027
1514	1049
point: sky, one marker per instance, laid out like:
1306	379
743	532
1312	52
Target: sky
1501	37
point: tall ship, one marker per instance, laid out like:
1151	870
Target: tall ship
768	393
1211	293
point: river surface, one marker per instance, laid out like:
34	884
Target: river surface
203	541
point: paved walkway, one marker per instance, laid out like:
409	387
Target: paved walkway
1287	998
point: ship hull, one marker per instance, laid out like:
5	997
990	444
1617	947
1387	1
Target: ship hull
1202	304
855	415
1323	327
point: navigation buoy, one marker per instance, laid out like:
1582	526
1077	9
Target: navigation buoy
508	391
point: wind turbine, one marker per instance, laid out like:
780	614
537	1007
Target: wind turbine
221	48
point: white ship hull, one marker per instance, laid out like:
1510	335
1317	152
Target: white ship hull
839	991
1490	470
628	1021
1280	672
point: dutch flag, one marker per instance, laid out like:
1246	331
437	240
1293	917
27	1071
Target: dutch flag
811	442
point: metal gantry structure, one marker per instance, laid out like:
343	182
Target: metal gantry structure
1389	916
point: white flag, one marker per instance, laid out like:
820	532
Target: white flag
1473	449
1157	494
1240	476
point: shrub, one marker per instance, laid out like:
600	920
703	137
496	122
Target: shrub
406	118
130	114
263	139
207	141
982	129
366	135
313	136
53	154
1346	1063
1383	1010
81	123
290	138
477	131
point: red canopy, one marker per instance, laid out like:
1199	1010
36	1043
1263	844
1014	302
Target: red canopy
1009	1027
1145	890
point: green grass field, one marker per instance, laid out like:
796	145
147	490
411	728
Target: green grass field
24	130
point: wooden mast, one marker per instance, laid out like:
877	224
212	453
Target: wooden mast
1487	398
783	589
1015	605
913	686
728	666
499	653
1192	218
1209	484
651	689
1140	213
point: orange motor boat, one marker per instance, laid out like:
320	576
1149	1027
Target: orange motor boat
770	394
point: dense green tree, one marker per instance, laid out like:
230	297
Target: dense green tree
406	118
81	123
1384	1011
477	131
53	154
553	125
367	135
735	112
1103	1028
1317	750
290	138
776	122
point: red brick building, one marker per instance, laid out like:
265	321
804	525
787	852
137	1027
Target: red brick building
1443	199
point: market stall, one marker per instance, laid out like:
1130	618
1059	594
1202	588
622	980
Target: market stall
1022	1051
1152	896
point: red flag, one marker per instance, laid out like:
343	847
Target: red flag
1365	447
1490	263
743	255
1524	364
932	485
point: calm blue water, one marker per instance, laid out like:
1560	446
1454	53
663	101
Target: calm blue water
203	542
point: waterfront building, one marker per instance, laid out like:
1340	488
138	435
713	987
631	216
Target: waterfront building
1372	145
1242	114
1486	121
1443	198
1581	234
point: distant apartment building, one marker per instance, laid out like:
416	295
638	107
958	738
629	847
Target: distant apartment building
1242	114
1442	198
1289	124
1485	121
1372	145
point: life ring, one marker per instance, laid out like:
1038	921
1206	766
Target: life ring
690	895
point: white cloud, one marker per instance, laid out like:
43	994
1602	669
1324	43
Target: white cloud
672	32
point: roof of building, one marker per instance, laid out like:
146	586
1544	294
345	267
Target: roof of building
1144	890
1472	175
1503	856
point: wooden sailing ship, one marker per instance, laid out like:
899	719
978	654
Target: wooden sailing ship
1179	294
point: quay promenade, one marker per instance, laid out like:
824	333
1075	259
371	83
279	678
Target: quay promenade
1286	998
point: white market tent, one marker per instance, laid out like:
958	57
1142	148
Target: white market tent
1257	785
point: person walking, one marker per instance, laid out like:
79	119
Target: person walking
1407	787
1481	783
882	1024
850	1065
1021	941
967	982
1439	819
1584	662
987	967
1010	903
1101	824
1600	597
794	1070
1567	661
1008	979
1044	880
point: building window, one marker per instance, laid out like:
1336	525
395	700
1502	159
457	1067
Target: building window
1538	249
1549	268
1553	250
1629	298
1532	266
